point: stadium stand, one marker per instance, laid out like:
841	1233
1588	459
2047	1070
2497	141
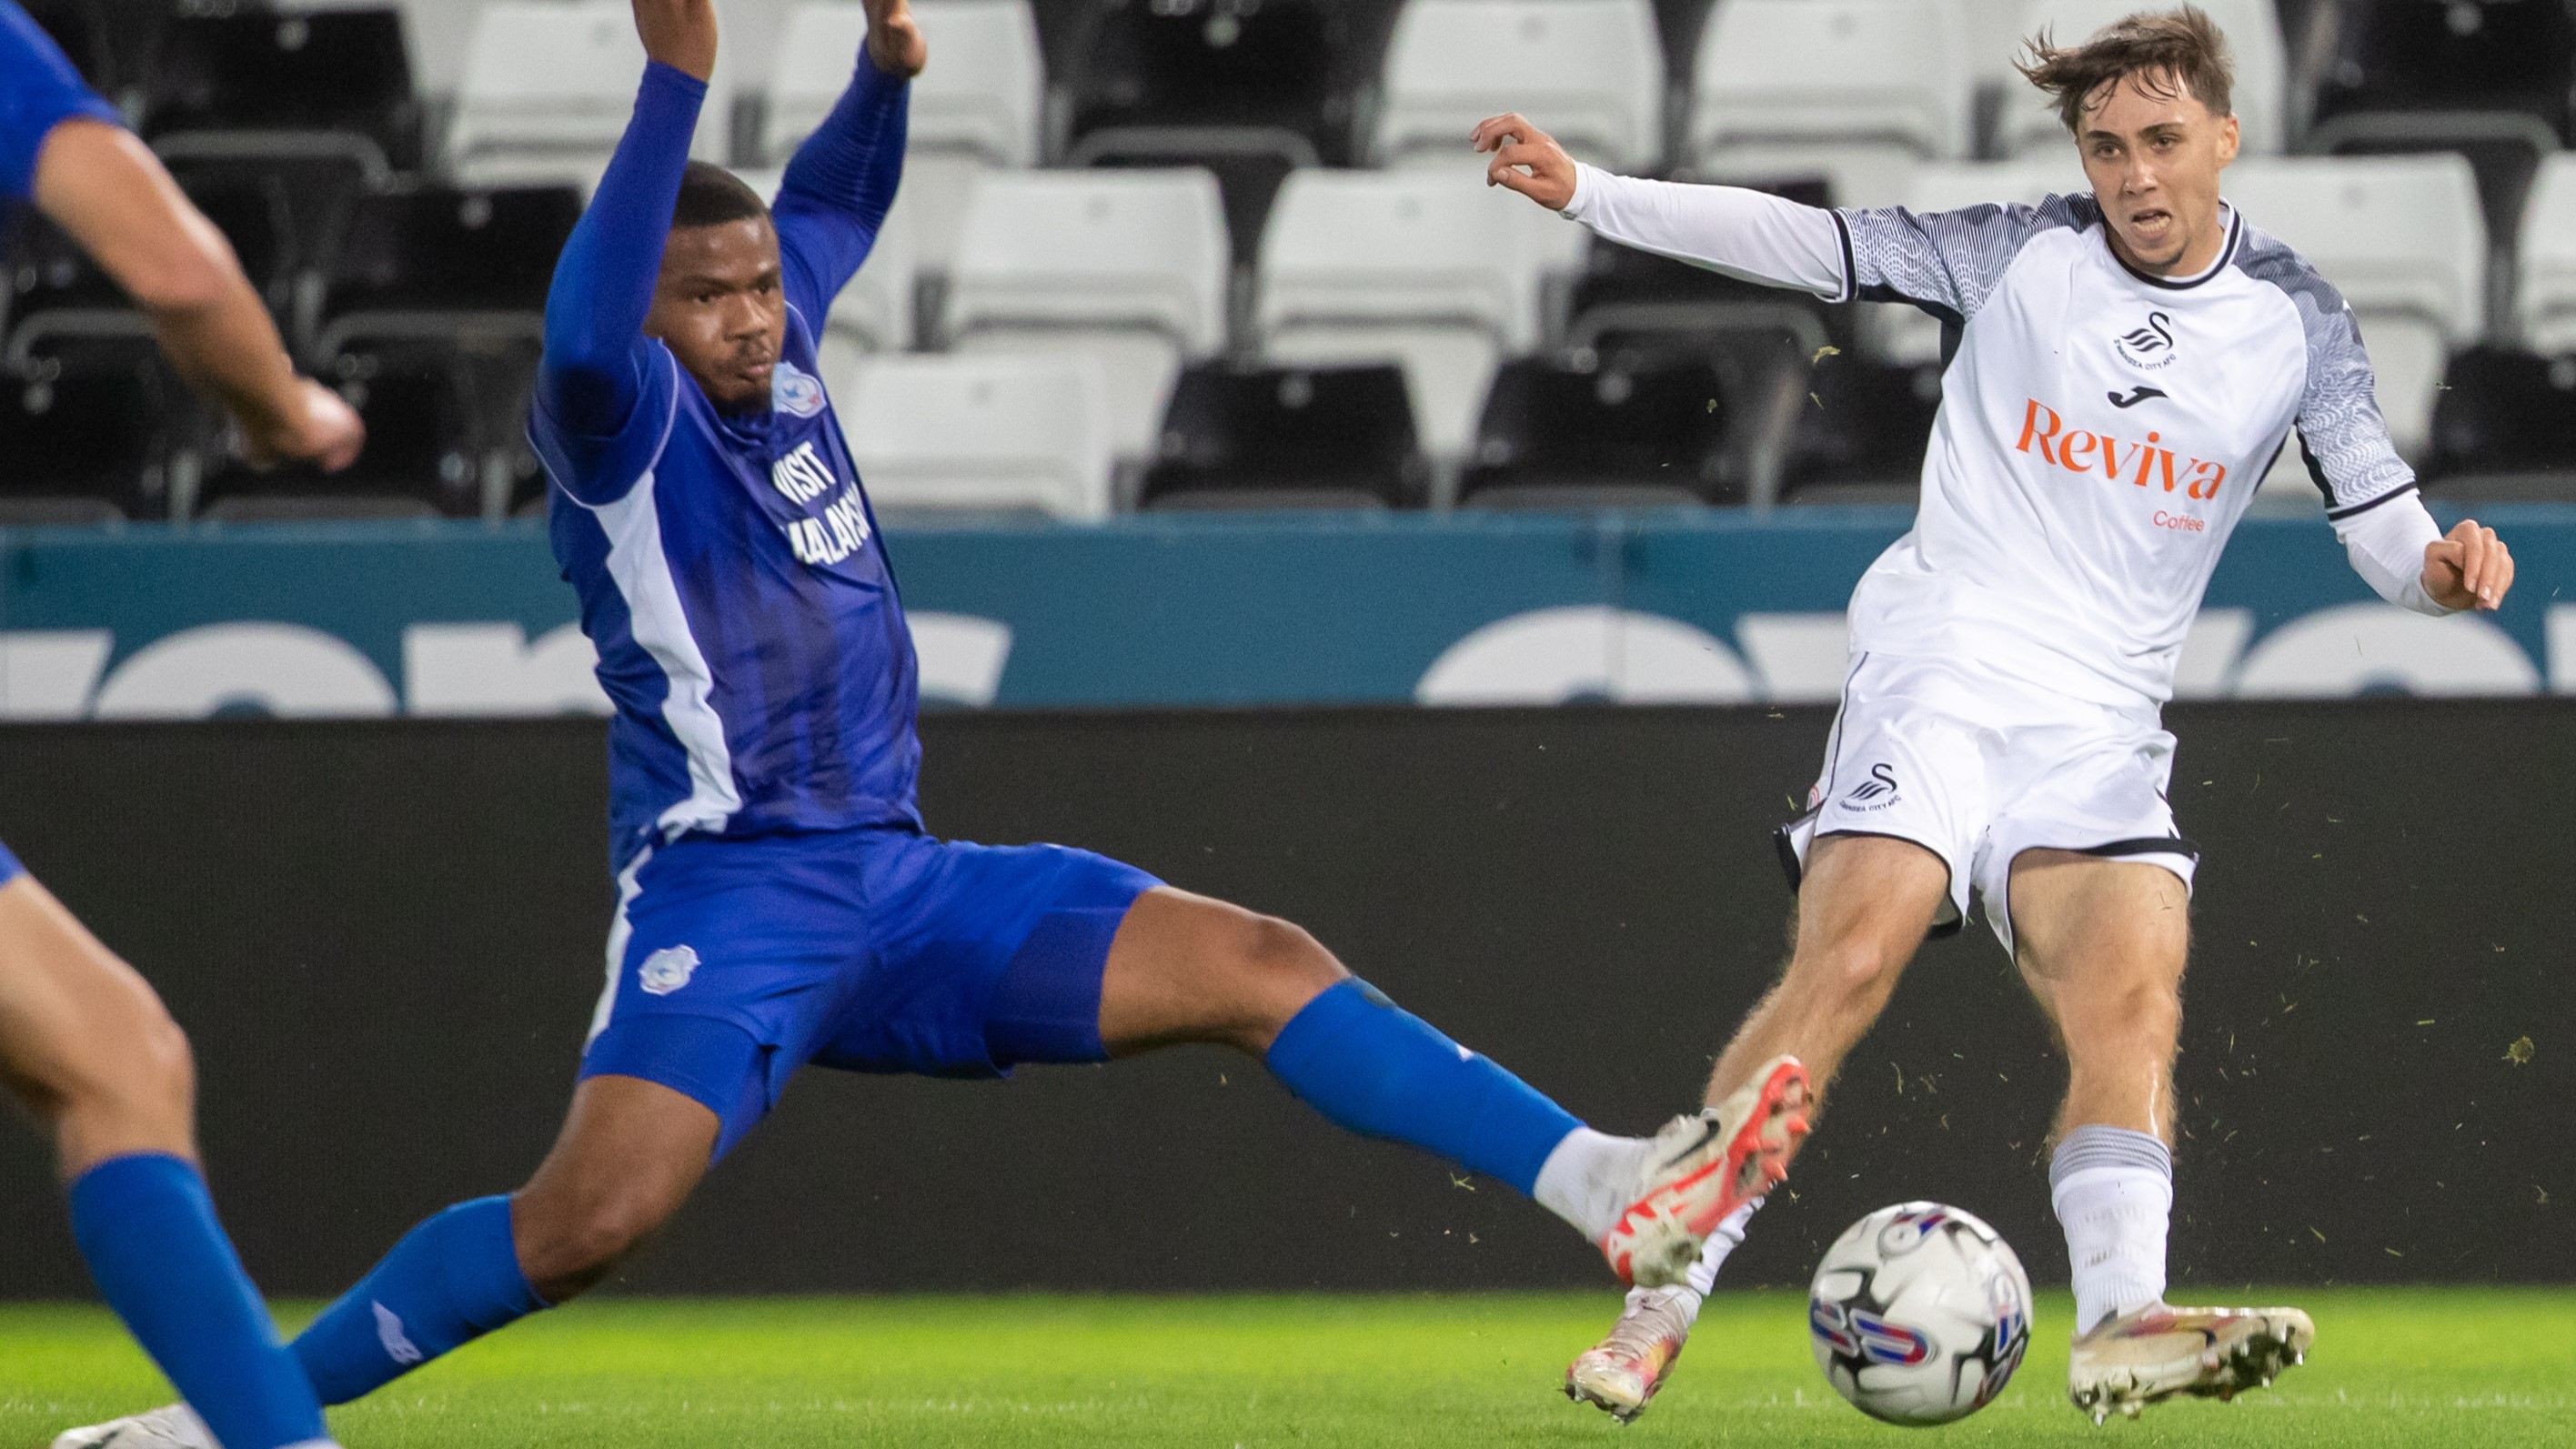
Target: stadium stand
2253	27
1850	91
546	91
1590	71
2505	429
1624	431
326	86
1860	436
935	435
422	457
92	439
1241	436
2401	238
979	108
1435	271
2545	300
82	29
1125	267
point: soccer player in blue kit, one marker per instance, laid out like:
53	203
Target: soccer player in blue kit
778	900
85	1044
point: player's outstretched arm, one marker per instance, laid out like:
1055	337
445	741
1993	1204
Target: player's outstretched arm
111	194
593	369
1749	235
841	182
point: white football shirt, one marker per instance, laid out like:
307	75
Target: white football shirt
2100	430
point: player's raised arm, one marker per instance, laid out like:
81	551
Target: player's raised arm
841	182
593	371
111	194
1749	235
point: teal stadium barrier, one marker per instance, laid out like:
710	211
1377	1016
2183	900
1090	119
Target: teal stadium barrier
356	620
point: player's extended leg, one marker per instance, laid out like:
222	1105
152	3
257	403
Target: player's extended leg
1865	904
87	1046
2102	944
1184	968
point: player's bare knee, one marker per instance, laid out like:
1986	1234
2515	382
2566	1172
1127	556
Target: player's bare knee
1857	971
130	1076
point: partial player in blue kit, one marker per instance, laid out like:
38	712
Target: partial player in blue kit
779	900
85	1044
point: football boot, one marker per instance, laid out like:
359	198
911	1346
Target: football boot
1701	1167
1620	1374
2133	1360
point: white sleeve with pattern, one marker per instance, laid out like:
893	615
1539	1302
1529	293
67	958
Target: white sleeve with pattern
1945	262
2370	492
1752	236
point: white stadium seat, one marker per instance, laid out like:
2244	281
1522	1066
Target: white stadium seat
1855	91
978	106
1895	332
1433	270
1591	72
933	433
2403	239
2253	30
1126	267
547	90
2547	305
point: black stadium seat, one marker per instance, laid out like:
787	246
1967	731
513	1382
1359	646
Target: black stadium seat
81	28
1861	432
89	444
285	84
2504	429
1626	430
424	455
1288	437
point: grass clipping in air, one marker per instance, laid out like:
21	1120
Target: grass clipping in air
2423	1368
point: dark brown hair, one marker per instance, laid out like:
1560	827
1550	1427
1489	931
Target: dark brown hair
2170	51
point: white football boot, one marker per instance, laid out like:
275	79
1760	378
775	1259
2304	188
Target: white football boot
1620	1374
1702	1167
176	1427
2156	1352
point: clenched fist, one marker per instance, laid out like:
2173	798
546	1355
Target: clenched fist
2468	569
1527	160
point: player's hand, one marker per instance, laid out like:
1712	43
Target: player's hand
894	39
679	33
1526	159
2468	569
315	427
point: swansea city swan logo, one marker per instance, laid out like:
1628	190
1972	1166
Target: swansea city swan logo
2149	345
1875	793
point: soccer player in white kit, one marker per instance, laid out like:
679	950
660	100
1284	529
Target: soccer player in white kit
2123	367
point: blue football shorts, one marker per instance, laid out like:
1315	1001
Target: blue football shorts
733	962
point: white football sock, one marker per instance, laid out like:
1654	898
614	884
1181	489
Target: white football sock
1590	1179
2113	1191
1728	1236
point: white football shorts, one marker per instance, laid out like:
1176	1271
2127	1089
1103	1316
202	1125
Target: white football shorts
1977	767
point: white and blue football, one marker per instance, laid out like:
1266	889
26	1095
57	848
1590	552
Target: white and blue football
1919	1314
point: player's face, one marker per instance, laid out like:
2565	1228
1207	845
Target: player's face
719	309
2153	154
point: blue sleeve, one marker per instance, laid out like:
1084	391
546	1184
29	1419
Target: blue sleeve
39	90
598	366
838	187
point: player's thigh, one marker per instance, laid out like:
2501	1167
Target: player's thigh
1865	904
2102	942
1185	967
81	1030
630	1153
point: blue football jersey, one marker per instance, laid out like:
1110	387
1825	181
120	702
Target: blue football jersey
38	91
747	623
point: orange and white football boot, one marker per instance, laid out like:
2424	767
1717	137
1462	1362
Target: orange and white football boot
1700	1168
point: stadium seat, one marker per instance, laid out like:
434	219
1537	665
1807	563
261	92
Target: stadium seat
326	86
1125	267
547	90
2253	30
2546	297
979	107
55	290
2505	429
2400	237
966	433
84	442
1896	333
82	28
1861	436
1853	91
1435	271
1619	432
1288	437
1589	71
436	261
425	454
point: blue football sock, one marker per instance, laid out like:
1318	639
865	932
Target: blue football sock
448	1282
1378	1070
148	1229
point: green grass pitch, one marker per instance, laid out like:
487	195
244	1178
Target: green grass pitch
2416	1367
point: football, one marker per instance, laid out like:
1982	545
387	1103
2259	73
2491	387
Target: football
1919	1314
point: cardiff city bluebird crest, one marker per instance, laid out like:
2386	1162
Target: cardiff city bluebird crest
794	391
